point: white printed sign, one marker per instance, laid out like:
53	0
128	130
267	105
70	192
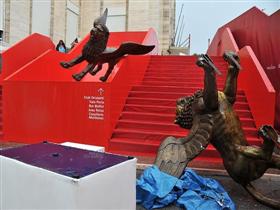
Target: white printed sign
96	106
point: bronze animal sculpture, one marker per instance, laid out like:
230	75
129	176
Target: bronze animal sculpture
210	115
96	53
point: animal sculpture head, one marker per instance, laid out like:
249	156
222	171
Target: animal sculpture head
184	112
100	29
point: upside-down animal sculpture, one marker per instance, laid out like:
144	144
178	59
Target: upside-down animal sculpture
96	53
210	116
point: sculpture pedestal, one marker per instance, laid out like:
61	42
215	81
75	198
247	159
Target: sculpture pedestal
51	176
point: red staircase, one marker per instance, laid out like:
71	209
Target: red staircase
149	112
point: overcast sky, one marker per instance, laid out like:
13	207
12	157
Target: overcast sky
203	17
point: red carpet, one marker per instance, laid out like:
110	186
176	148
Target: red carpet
149	112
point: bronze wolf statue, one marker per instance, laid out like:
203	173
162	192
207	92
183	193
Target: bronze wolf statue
210	116
96	53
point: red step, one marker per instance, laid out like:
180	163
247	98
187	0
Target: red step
166	127
167	79
151	147
167	88
169	109
189	81
146	135
144	116
169	95
149	125
168	68
171	103
168	118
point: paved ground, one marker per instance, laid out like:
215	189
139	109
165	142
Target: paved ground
269	184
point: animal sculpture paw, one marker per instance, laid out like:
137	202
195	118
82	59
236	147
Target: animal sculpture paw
65	65
93	72
103	79
77	77
269	133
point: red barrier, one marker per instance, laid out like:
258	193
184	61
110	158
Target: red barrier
51	105
259	91
261	32
151	39
223	41
23	52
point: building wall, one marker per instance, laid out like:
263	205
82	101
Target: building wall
124	15
20	21
89	11
2	11
58	20
41	16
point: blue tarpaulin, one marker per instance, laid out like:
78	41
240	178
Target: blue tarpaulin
155	189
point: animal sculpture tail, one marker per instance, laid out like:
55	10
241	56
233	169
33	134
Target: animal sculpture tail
261	198
131	48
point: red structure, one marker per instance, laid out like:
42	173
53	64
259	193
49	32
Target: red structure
42	101
261	32
134	110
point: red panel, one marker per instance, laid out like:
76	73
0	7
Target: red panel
23	52
259	91
42	101
55	111
261	32
223	41
151	39
253	79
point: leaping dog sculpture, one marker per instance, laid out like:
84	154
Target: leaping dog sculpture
96	53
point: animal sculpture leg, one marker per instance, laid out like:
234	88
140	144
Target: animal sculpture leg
96	70
252	152
265	152
210	91
108	72
73	62
81	75
230	88
275	161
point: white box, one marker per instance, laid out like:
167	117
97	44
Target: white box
84	146
24	186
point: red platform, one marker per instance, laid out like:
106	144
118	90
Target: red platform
42	101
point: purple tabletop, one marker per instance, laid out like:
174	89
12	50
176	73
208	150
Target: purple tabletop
68	161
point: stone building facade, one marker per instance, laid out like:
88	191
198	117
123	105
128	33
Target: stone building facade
68	19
